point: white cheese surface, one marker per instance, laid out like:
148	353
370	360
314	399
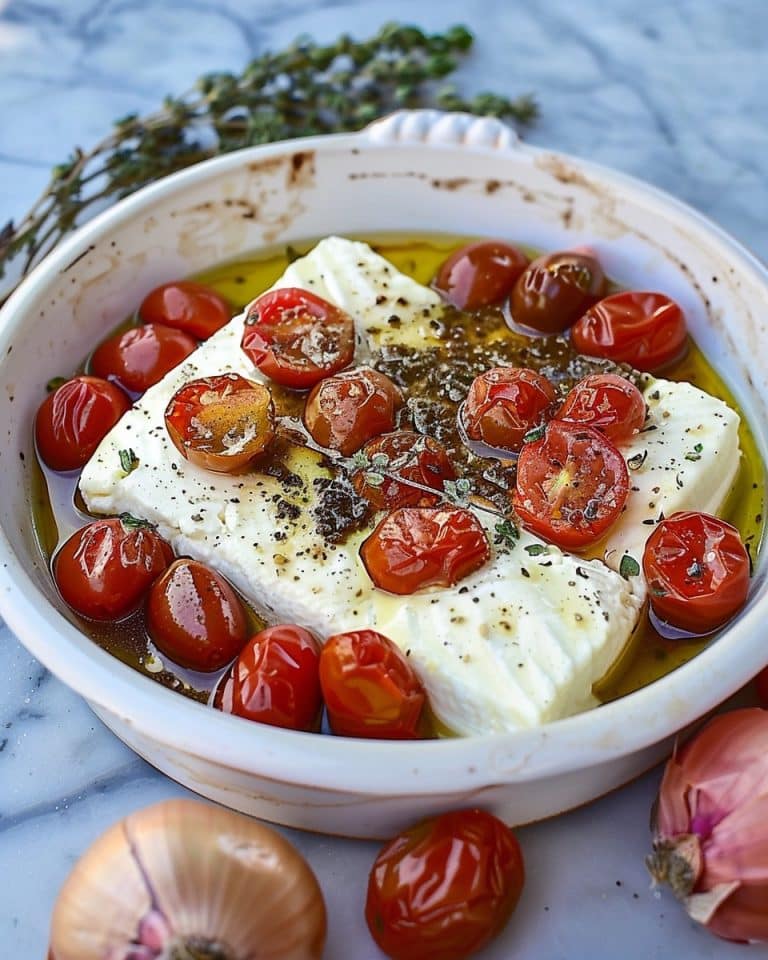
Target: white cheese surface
518	643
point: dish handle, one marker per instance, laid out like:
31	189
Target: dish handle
440	128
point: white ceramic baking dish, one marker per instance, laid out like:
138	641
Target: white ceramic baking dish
412	172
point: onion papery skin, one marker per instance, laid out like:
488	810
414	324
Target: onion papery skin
710	826
187	872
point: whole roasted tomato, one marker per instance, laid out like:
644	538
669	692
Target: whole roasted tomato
104	570
188	306
503	404
645	330
195	617
344	411
141	356
571	485
555	290
221	423
607	402
410	456
444	888
697	570
74	419
296	338
370	688
480	274
275	680
415	547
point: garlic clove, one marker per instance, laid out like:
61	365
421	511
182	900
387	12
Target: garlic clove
197	875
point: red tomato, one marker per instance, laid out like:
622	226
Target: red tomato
188	306
297	338
221	423
344	411
645	330
503	404
480	274
195	617
141	356
555	290
607	402
73	420
411	456
275	680
571	485
444	888
106	567
697	571
416	547
370	688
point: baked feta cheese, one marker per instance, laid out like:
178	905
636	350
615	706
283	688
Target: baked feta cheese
518	643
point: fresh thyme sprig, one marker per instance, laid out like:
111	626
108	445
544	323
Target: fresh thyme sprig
308	88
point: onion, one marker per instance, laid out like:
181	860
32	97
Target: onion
710	826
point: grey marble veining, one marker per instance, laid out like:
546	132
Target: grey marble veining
671	92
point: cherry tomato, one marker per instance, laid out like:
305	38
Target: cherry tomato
571	485
141	356
275	680
444	888
480	274
221	423
697	571
297	338
195	617
412	456
607	402
191	307
106	567
370	688
344	411
503	404
416	547
74	419
646	330
555	290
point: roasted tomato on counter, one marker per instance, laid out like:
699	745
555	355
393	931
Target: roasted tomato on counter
445	887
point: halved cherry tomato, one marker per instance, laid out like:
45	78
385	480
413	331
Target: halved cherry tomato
104	570
275	680
344	411
369	687
503	404
188	306
416	547
74	419
480	274
646	330
296	338
445	887
697	571
607	402
555	290
412	456
195	617
571	485
141	356
221	423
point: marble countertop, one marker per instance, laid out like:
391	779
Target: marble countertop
673	93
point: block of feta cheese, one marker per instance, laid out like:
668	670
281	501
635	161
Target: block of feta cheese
518	643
